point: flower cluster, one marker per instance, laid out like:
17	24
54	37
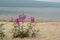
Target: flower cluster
24	31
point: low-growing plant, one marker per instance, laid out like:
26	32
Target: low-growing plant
24	31
31	27
1	31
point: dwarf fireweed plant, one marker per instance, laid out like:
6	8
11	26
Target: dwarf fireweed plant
31	27
1	31
20	30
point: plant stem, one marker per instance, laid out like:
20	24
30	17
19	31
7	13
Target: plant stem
22	24
30	26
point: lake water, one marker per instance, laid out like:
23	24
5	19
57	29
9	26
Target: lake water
38	13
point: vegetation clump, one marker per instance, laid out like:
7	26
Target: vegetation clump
20	30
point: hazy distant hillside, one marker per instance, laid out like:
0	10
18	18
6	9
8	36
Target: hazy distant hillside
27	3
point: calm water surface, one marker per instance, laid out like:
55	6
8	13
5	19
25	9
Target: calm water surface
39	13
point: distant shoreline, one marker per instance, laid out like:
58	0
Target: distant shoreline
13	20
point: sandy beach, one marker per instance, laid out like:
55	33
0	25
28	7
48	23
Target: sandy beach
48	31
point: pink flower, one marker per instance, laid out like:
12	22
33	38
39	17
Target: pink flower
17	21
23	17
32	19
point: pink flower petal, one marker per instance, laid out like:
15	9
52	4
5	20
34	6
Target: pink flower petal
17	20
32	19
23	17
